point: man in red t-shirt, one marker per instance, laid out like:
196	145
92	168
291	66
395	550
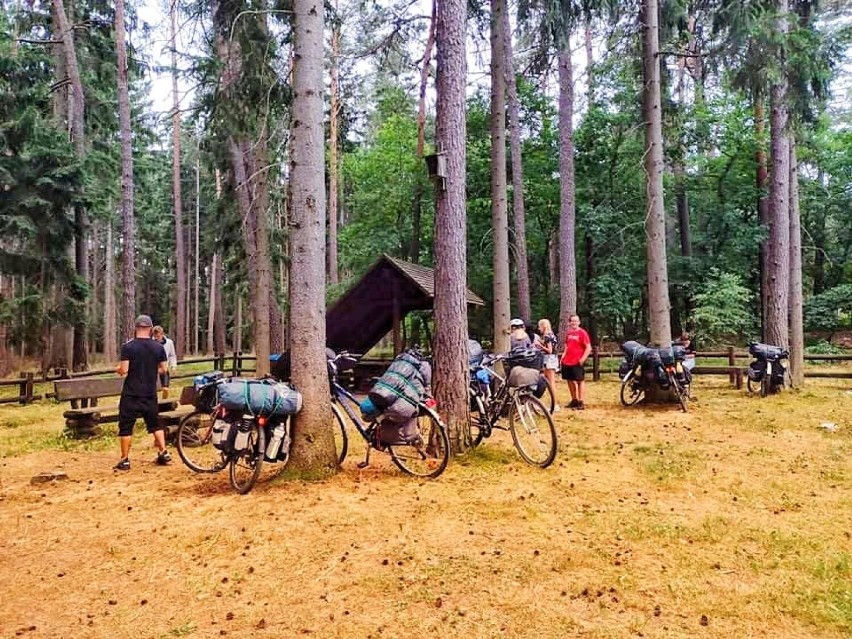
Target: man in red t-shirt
578	346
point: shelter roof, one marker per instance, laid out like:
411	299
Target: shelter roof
389	290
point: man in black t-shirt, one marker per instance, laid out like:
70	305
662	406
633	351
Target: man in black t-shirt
142	359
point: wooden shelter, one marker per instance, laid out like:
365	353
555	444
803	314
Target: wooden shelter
378	303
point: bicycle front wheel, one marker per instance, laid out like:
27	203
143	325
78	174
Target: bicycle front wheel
533	431
680	391
428	454
341	439
193	441
247	463
631	391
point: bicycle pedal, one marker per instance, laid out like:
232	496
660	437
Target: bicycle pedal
363	464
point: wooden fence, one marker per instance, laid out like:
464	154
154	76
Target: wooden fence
241	364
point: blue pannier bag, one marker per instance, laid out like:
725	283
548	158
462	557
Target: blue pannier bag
261	397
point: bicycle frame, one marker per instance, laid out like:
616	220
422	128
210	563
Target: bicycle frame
497	402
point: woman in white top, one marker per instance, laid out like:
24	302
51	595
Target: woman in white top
169	346
545	341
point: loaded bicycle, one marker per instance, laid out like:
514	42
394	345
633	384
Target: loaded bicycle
221	433
645	367
421	449
495	399
766	373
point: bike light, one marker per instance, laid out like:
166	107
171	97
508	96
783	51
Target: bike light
262	420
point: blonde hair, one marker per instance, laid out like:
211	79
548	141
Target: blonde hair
544	326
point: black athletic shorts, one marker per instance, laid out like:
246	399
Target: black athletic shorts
574	373
130	408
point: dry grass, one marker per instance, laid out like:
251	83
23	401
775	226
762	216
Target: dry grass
732	521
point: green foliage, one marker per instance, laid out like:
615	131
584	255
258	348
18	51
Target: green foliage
722	308
824	347
830	310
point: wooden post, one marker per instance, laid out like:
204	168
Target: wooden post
596	364
235	364
732	361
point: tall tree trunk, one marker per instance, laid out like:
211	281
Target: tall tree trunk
499	210
181	334
211	305
76	120
762	183
110	319
196	325
334	150
590	60
778	277
567	213
655	223
679	173
797	329
424	76
313	441
518	211
128	222
450	369
5	359
818	238
591	274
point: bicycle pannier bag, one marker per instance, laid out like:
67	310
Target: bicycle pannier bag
393	432
260	397
223	435
521	376
525	357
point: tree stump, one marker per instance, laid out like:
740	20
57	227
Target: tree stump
82	427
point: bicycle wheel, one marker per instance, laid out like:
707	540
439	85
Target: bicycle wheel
341	439
247	463
766	380
428	454
475	417
533	431
631	391
680	391
193	440
752	385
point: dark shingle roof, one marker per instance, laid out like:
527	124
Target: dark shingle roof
365	313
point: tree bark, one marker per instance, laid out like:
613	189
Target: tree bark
424	76
333	151
313	440
499	210
655	223
181	330
450	340
518	210
128	222
567	213
762	183
110	319
76	119
797	329
778	275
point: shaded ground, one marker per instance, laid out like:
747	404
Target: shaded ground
731	521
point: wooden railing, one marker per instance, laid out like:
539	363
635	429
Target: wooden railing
236	364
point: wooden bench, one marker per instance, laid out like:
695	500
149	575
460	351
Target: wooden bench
85	416
170	419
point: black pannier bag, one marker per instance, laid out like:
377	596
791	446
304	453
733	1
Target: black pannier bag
624	367
767	352
525	357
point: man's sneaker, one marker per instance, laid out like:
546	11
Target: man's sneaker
581	406
164	458
574	403
124	464
556	408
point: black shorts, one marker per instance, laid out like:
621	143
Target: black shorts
574	373
130	408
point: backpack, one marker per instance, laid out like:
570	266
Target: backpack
408	378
